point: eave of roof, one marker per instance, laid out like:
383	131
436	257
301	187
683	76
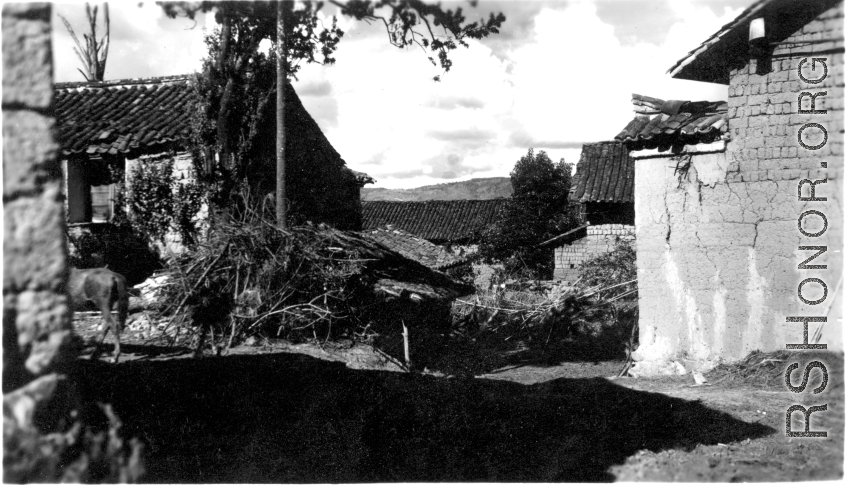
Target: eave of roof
728	48
675	124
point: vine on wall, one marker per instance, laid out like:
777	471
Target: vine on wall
158	203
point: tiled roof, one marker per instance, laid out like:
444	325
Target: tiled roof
712	60
605	173
391	273
416	248
362	178
434	220
142	115
675	124
122	116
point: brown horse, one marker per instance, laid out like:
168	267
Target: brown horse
104	288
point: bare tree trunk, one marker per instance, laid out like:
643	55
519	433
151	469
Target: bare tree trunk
281	75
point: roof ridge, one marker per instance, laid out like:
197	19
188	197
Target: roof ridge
122	82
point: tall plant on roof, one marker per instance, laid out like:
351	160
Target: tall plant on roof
536	212
94	54
236	83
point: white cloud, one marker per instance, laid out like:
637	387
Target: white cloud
144	42
565	79
569	82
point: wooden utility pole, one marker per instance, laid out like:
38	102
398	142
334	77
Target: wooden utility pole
281	76
406	346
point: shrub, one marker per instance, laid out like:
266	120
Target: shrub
536	211
158	203
117	246
614	274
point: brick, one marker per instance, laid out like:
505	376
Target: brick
757	100
754	143
737	101
747	166
778	74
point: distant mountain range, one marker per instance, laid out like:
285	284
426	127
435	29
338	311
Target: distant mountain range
473	189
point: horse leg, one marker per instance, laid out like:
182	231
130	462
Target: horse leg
99	347
106	309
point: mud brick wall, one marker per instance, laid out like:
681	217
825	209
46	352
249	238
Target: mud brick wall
36	324
600	239
718	250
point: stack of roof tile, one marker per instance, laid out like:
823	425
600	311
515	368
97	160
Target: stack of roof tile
439	221
675	124
605	173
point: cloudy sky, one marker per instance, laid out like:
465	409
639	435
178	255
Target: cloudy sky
559	74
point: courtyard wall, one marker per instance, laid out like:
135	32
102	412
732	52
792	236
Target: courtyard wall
718	247
36	324
600	239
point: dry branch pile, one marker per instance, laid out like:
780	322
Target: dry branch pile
251	277
767	369
564	308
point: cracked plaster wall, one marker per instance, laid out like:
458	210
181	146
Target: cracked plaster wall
717	250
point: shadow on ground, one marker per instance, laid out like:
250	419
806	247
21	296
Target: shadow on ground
293	418
135	351
487	352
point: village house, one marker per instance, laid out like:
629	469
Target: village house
454	224
602	190
118	124
716	192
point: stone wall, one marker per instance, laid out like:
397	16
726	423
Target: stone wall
718	248
600	239
36	324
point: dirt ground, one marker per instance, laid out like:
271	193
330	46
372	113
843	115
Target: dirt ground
278	412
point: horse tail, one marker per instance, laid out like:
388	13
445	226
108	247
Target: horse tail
123	300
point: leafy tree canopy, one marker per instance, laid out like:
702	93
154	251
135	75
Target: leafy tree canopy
238	81
407	22
536	212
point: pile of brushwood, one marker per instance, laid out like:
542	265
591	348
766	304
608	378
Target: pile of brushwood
600	310
613	276
311	282
252	278
767	370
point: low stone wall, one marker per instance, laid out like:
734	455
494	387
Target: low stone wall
36	323
599	240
